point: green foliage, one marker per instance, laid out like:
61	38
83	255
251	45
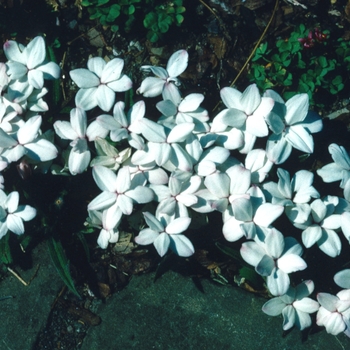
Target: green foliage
162	17
61	263
302	67
158	15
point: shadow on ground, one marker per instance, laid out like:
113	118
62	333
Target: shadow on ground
169	314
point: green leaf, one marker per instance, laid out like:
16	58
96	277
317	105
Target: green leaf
149	20
102	2
114	28
254	279
152	36
322	61
113	13
179	19
61	263
5	250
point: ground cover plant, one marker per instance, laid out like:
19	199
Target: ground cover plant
178	166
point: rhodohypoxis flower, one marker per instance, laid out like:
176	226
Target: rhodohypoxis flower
26	141
165	233
334	313
275	258
107	235
246	111
99	83
228	186
77	131
185	110
322	227
295	306
125	126
340	169
249	218
292	125
119	192
12	215
30	61
178	195
166	80
108	156
288	192
164	145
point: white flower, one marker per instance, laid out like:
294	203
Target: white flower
178	195
249	218
12	214
164	145
275	258
259	165
27	142
119	192
30	61
228	186
295	306
108	156
322	227
292	125
340	169
288	192
187	110
107	234
246	111
77	131
166	233
334	313
99	83
125	127
166	80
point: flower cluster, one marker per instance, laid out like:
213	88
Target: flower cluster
184	162
315	36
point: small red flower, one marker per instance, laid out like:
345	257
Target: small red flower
309	41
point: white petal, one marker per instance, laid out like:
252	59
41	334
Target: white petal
112	70
181	245
250	99
161	243
342	278
252	253
177	63
297	108
291	263
273	307
84	78
105	178
15	224
278	282
36	78
267	213
86	98
105	97
300	139
103	201
178	225
41	149
36	52
146	236
141	194
29	130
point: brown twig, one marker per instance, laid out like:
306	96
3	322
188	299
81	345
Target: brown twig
254	49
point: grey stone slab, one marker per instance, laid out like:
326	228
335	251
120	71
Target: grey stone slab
173	314
26	314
